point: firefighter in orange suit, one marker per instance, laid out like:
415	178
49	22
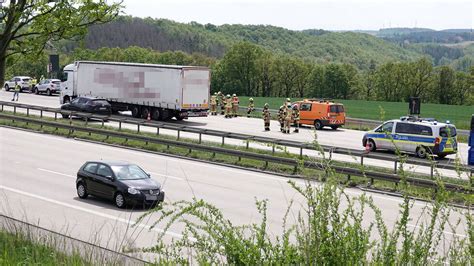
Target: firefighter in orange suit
235	105
228	107
266	117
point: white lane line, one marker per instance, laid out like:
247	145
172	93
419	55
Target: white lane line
57	173
167	176
101	214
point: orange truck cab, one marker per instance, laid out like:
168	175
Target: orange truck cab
321	113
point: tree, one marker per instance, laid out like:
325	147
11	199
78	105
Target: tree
419	78
445	86
28	26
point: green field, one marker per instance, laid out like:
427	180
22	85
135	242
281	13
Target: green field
456	114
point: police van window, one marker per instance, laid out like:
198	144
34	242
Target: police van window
406	128
447	131
90	167
305	107
387	127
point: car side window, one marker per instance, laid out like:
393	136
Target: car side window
90	168
82	100
305	107
75	101
387	127
104	170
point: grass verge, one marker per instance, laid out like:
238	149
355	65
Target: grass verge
17	249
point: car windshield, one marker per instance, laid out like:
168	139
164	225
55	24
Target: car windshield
127	172
447	131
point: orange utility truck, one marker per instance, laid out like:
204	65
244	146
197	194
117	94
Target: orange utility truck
321	112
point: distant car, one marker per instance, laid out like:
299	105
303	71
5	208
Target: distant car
122	182
48	86
89	105
23	81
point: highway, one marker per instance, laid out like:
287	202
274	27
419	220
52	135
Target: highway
37	184
341	138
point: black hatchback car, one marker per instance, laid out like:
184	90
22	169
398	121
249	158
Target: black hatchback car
89	105
122	182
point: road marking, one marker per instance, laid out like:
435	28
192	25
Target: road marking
57	173
101	214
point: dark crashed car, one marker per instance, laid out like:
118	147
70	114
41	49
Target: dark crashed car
124	183
88	105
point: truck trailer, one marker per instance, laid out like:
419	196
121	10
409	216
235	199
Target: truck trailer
159	92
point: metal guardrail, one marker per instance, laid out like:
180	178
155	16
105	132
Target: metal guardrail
66	244
295	162
448	165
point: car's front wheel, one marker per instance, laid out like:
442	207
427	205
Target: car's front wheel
82	191
6	87
36	90
48	91
119	200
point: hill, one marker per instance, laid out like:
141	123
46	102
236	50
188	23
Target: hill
318	46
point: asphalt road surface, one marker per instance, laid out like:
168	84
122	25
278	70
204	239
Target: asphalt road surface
341	138
37	184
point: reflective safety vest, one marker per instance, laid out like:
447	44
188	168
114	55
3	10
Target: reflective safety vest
213	100
235	100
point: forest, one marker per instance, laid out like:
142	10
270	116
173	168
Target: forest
268	61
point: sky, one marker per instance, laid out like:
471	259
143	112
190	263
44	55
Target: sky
312	14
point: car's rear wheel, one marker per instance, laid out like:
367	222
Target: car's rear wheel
82	191
6	87
318	125
48	91
119	200
422	152
65	116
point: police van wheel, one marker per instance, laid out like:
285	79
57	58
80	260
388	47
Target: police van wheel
318	125
372	145
422	152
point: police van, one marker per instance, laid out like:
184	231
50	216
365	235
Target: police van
413	135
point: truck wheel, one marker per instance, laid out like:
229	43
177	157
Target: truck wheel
6	87
136	111
165	115
155	114
179	118
318	125
145	112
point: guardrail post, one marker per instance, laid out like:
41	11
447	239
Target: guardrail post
179	135
157	131
247	144
55	115
432	171
2	107
200	138
395	167
27	111
330	154
362	159
138	128
41	113
14	110
266	165
273	149
102	122
222	141
301	152
87	120
120	125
